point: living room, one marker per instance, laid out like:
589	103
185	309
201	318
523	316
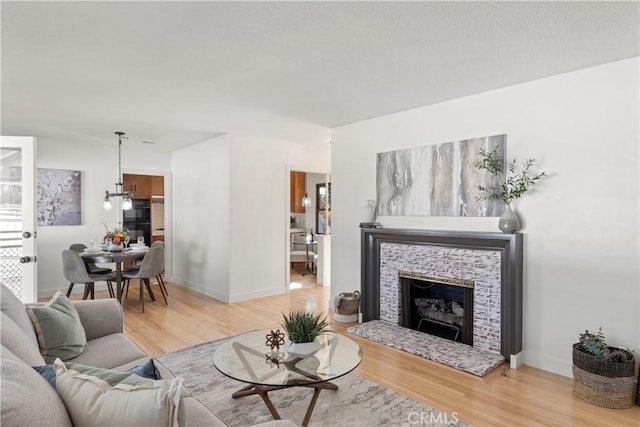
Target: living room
579	121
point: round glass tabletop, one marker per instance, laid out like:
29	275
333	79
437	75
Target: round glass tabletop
249	359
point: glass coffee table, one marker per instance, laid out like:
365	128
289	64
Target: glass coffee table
248	358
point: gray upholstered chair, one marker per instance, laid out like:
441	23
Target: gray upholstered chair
75	271
163	288
91	266
135	268
152	265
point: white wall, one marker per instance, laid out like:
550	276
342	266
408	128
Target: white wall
580	225
99	166
201	217
241	215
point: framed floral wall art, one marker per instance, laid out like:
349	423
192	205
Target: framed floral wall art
59	197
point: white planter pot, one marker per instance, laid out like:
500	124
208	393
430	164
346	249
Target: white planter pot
302	350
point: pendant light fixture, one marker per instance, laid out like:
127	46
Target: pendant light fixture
306	200
126	195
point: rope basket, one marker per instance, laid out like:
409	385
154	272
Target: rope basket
590	363
347	303
603	382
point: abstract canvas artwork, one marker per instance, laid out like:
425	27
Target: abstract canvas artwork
58	197
437	180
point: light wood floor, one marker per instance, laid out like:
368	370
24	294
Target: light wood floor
523	397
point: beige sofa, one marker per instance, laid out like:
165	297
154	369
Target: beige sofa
27	399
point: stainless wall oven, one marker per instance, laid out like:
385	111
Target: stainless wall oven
138	220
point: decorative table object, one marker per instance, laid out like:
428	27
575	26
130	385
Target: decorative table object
114	239
114	247
303	329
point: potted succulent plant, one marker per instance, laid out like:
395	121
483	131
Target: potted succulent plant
302	329
519	180
602	375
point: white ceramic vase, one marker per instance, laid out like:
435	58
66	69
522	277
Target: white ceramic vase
302	350
114	248
509	223
368	212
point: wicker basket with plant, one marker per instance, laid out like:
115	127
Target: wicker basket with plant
602	375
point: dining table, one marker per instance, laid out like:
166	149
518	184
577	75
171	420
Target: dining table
117	258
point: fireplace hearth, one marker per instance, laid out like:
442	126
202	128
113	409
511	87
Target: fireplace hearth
484	309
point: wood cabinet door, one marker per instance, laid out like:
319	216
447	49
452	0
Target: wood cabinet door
139	184
298	186
157	185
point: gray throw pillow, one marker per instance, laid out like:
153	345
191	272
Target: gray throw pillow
58	328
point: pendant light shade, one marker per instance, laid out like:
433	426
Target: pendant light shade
126	196
306	200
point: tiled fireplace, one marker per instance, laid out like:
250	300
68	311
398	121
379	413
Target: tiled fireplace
488	265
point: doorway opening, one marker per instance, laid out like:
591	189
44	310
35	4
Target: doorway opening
309	230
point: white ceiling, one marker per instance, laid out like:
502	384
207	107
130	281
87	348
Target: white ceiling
181	72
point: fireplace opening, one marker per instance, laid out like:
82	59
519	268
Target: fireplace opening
437	305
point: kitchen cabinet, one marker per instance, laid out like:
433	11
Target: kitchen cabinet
157	185
298	188
139	184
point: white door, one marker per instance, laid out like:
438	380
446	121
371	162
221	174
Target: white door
18	216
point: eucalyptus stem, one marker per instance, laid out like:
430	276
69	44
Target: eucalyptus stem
518	181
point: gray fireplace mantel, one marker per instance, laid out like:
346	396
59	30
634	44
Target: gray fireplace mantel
508	245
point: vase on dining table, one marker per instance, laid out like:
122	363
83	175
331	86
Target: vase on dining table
114	247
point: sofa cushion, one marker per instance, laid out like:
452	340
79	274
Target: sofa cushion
109	352
112	376
27	399
198	415
58	328
14	308
104	397
16	341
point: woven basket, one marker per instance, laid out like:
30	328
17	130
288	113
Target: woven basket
602	382
347	303
591	363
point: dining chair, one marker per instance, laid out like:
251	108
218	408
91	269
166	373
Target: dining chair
152	265
159	276
135	268
75	271
91	266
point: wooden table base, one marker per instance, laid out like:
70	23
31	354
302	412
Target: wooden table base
262	391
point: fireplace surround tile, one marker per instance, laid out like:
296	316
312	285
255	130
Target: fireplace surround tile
492	260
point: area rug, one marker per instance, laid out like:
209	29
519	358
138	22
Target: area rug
450	353
357	403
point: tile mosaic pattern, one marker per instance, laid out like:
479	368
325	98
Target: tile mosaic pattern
480	266
457	355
